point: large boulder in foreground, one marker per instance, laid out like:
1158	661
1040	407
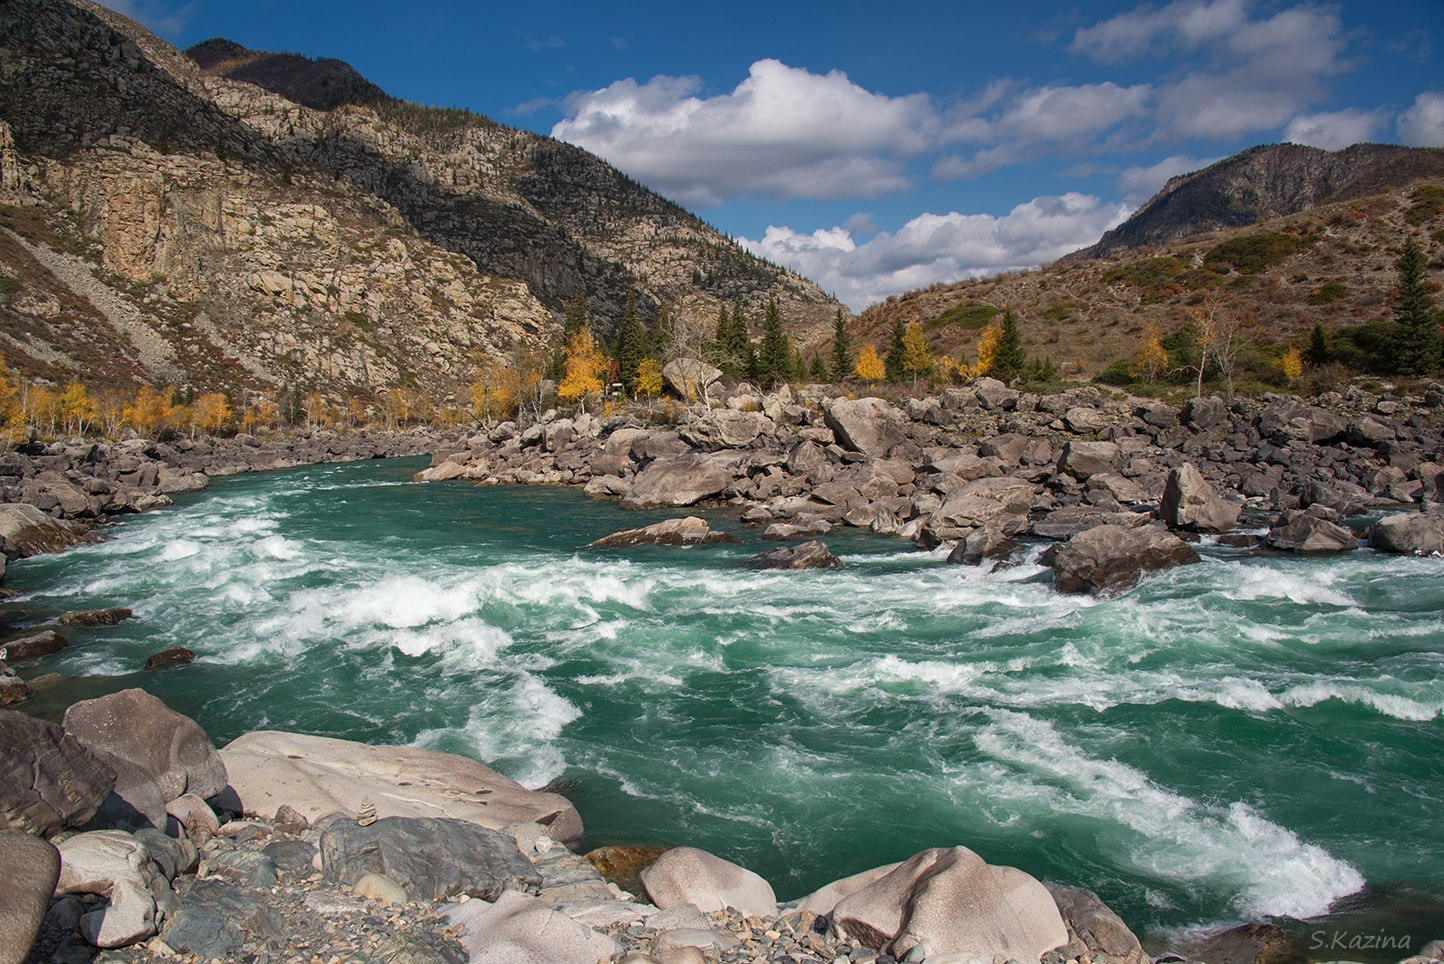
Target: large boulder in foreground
520	929
1190	503
26	531
809	555
118	867
317	775
686	875
867	425
430	858
139	728
1409	534
691	531
49	781
30	867
678	481
949	901
1110	559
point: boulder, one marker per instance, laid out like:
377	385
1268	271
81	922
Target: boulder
1204	413
689	378
119	868
1082	459
34	646
218	918
520	929
1094	928
998	503
726	429
867	425
808	555
677	481
26	531
1250	944
30	868
195	815
49	781
1190	503
95	617
980	544
824	899
994	395
1309	531
1109	559
1409	534
318	775
138	727
948	901
170	657
1083	420
691	531
1069	521
13	689
136	800
623	866
431	858
686	875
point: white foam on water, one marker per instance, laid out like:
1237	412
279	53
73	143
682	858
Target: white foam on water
1389	704
1316	587
179	549
276	547
522	724
1165	834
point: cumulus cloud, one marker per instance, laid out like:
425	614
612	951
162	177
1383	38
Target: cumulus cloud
166	19
1138	184
1334	130
1422	125
939	247
1261	71
783	132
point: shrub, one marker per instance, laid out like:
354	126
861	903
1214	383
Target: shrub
9	285
1327	294
969	317
1428	202
1249	254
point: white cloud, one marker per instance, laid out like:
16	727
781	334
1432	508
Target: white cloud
166	19
940	247
1187	23
1138	184
783	132
1422	125
1334	130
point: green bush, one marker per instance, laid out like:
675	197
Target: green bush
1365	347
1118	374
9	285
1428	202
1249	254
970	317
1327	294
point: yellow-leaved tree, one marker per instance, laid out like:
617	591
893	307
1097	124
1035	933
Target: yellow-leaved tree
494	392
988	344
148	411
9	406
211	412
917	358
649	377
1292	364
585	365
76	408
1150	358
869	366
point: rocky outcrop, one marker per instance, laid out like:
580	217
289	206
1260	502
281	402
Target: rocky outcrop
808	555
1110	559
686	875
26	531
690	531
319	775
49	781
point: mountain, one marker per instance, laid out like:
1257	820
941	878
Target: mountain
243	221
1331	265
1265	182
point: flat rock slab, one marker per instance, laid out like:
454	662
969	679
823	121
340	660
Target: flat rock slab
690	531
49	780
430	858
318	775
30	867
218	918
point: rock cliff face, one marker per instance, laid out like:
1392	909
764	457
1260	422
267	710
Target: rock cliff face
1262	183
162	221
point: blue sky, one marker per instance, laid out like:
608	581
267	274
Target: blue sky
882	150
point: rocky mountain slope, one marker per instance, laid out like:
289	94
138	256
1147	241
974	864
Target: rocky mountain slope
166	223
1265	182
1332	265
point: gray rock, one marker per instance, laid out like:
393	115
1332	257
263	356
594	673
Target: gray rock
824	899
867	425
1083	420
808	555
30	868
1204	414
34	646
1093	927
1110	559
691	531
431	858
1190	503
49	781
136	726
119	868
686	875
994	395
95	617
1069	521
1308	531
981	544
677	481
255	870
1082	459
1409	534
726	429
13	689
218	918
26	531
292	857
195	815
688	378
519	929
134	802
998	503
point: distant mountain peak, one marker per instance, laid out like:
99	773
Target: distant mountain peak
321	83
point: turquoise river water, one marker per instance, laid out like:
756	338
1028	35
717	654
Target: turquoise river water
1251	737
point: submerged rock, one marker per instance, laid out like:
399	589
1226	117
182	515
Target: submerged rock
34	646
95	617
809	555
170	658
691	531
1110	559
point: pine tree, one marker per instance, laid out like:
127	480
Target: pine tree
842	360
893	364
734	346
774	358
1008	358
1318	352
630	346
817	369
1417	348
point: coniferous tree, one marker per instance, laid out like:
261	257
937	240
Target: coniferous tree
894	364
798	367
774	358
1417	347
1318	352
842	360
817	369
630	346
1008	361
734	348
